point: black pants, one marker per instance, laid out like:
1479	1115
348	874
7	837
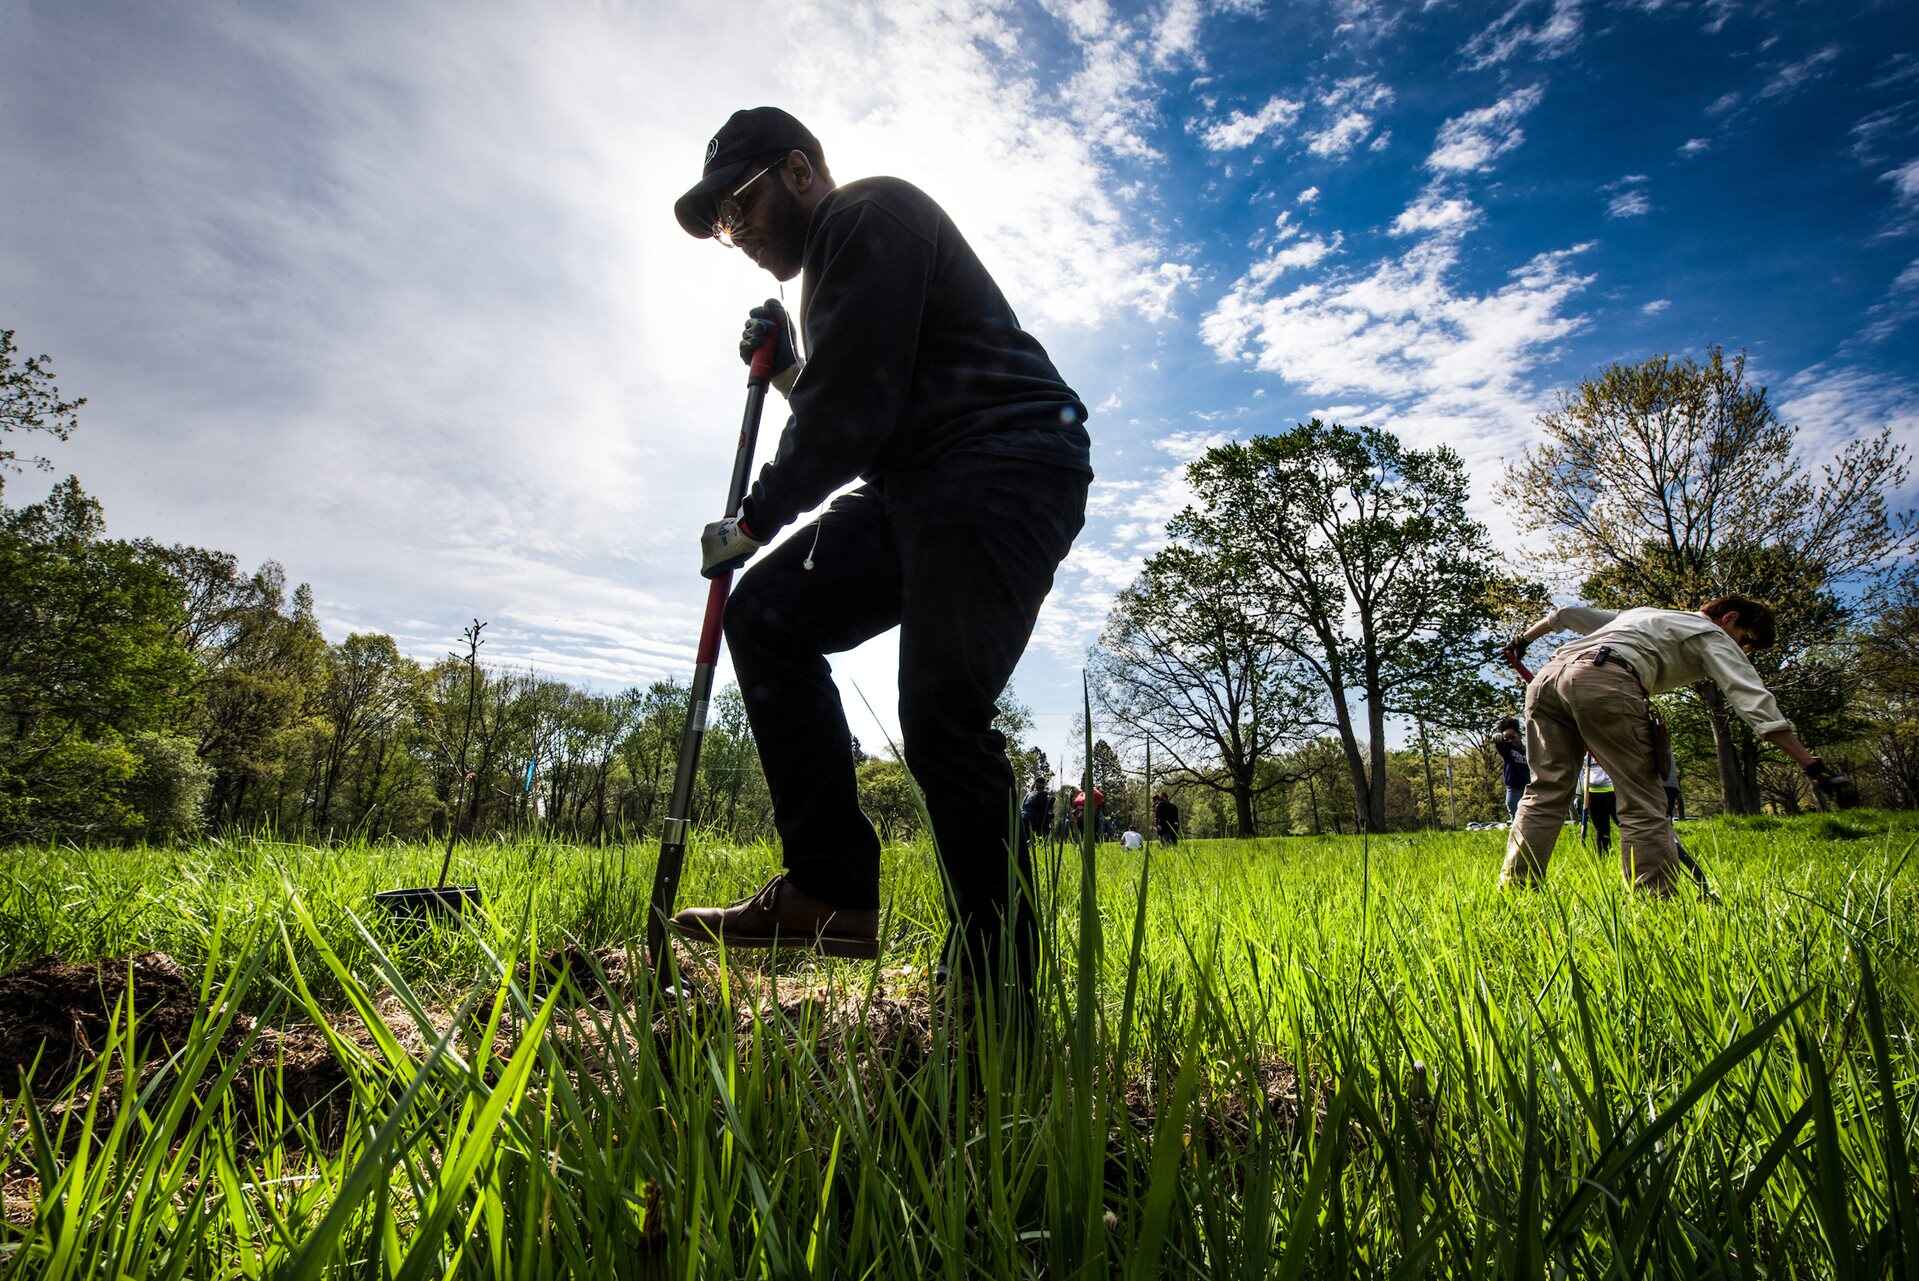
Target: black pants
1602	808
959	559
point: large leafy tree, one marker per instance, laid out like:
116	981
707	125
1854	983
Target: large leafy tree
89	659
1359	554
1670	481
1192	666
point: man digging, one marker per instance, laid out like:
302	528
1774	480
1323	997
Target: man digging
919	381
1593	695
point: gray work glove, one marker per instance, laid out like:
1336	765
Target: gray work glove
766	318
725	545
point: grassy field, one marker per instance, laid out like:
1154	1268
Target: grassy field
1285	1057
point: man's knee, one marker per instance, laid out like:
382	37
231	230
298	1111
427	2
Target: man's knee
936	733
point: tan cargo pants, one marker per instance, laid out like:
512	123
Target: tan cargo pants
1574	705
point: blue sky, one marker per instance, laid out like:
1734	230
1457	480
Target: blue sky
393	293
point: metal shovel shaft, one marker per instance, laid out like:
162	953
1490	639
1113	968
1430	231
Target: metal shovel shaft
666	874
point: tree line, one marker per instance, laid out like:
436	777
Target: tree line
1329	581
1326	591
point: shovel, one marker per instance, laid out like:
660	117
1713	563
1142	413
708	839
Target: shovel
666	874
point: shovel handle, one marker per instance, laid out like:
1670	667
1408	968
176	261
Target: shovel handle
760	372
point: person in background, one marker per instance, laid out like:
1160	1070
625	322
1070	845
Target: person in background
1166	819
1132	840
1079	812
1595	695
1512	757
1602	803
1675	799
1037	812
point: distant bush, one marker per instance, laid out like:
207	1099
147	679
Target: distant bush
167	795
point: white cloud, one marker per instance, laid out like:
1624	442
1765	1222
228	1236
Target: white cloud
1445	363
1656	306
1629	204
1241	130
1306	251
1349	109
1795	74
347	257
1307	196
1834	404
1380	143
1107	406
1693	146
1876	135
1907	279
1176	35
1189	445
1555	34
1905	181
1474	140
1722	104
1435	211
1341	136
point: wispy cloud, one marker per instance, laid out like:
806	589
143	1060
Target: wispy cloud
1443	361
1722	104
1795	75
1556	33
1349	108
1835	403
1474	140
1656	306
1629	204
1905	181
1693	146
1307	196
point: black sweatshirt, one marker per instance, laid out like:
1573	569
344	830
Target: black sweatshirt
912	355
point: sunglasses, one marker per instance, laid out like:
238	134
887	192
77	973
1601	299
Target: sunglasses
729	214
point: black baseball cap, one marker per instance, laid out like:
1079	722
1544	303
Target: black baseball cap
749	138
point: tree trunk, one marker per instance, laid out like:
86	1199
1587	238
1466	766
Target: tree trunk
1375	807
1738	789
1432	796
1243	804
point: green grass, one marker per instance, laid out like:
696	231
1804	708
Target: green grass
1291	1057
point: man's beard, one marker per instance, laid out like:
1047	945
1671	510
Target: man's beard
786	232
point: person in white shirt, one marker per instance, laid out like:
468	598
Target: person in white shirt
1594	695
1132	840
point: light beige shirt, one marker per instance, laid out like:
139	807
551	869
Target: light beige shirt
1670	648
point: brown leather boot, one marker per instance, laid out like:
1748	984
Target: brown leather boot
784	915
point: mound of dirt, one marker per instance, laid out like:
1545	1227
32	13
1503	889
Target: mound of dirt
60	1012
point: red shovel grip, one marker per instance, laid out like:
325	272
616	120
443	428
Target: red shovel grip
761	370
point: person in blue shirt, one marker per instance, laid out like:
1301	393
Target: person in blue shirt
1512	755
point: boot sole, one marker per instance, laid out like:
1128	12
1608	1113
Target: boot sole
825	944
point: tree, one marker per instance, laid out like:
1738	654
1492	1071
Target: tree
29	401
888	798
88	660
1359	555
1189	664
370	687
1669	482
1889	688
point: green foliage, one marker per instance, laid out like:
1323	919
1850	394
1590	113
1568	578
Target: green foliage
30	401
888	798
88	656
168	787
